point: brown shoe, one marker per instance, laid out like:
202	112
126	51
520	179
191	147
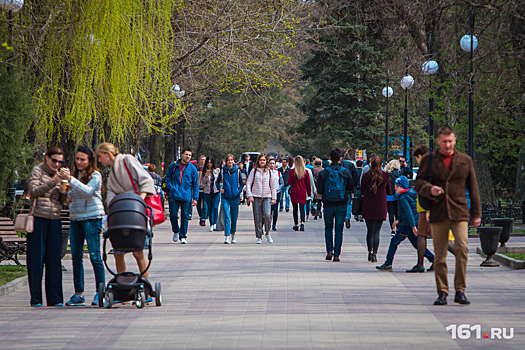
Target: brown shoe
336	259
329	256
441	299
460	298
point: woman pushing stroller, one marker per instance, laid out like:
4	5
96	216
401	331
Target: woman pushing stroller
119	182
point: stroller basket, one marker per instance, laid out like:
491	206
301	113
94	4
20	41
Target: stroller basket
127	222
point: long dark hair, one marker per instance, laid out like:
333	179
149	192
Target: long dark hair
376	175
92	165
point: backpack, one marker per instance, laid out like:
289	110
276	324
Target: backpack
335	185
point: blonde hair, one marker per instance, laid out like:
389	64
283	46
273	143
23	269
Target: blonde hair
393	164
317	162
107	147
228	156
299	167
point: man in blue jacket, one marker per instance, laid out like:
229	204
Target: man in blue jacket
182	183
408	220
335	206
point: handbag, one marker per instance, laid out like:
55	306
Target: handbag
153	201
424	202
25	223
357	203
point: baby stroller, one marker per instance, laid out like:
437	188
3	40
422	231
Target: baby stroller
127	230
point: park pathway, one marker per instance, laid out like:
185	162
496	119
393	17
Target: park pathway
277	296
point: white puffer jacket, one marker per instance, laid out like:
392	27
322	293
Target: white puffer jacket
264	185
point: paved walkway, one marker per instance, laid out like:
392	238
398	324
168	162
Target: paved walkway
277	296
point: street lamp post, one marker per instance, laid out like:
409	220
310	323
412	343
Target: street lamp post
176	90
387	92
11	6
469	43
430	68
406	83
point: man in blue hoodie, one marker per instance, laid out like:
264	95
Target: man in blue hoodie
408	220
182	183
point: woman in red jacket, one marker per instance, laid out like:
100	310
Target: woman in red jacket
299	182
375	185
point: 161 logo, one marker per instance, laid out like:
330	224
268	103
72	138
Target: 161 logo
464	331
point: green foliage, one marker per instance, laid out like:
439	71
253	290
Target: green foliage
110	66
16	116
9	273
344	68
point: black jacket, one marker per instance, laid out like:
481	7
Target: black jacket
321	182
353	171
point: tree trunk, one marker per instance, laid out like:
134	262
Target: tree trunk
519	195
169	151
155	141
485	183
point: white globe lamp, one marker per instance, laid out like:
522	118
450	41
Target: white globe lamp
430	67
407	82
465	43
11	5
387	92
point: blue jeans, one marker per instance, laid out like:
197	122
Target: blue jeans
185	211
230	210
307	207
401	234
349	208
88	230
338	215
201	203
44	247
211	207
286	197
275	209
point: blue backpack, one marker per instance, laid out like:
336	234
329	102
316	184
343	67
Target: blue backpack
335	185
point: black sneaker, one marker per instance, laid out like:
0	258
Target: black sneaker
384	267
296	228
302	227
347	223
431	268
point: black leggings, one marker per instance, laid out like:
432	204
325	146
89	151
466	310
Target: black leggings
296	207
392	212
373	228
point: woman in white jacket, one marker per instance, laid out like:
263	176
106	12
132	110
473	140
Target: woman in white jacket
261	190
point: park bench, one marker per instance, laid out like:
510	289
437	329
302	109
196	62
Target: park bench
11	245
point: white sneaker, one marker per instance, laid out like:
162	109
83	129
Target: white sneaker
269	238
233	239
183	241
259	240
227	240
175	236
215	227
211	228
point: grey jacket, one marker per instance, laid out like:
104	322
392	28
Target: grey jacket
45	194
86	199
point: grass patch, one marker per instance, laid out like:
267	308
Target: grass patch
518	231
520	256
473	231
9	273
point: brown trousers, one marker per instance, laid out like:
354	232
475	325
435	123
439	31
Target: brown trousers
440	238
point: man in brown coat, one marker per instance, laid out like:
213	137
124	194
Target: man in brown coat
452	173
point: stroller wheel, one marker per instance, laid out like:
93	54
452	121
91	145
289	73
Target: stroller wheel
101	292
108	300
141	300
158	295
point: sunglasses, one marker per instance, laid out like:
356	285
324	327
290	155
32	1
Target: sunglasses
56	161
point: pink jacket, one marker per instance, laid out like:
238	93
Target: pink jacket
263	186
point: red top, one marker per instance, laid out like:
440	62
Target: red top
447	160
300	187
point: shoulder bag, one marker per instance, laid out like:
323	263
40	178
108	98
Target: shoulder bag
153	201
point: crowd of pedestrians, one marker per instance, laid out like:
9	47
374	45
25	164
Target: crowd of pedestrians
330	188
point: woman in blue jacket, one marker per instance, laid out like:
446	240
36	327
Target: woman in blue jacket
230	183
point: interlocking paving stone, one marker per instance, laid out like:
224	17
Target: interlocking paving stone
276	296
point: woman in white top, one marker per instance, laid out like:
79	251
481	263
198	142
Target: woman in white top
261	190
314	190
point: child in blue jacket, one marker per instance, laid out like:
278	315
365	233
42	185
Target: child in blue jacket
408	220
